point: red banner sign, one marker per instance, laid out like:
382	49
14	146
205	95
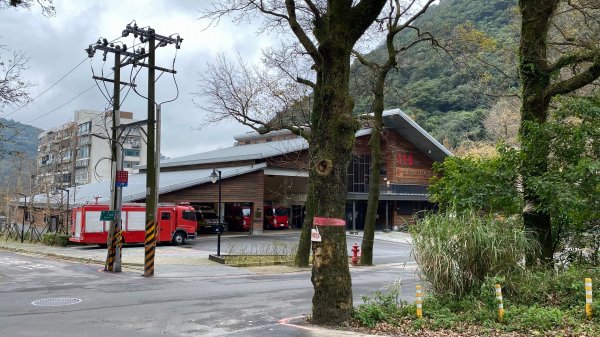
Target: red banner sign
317	221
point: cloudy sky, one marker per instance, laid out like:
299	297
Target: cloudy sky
56	45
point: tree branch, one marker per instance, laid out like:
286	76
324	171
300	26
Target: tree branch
306	82
313	9
363	60
572	59
363	15
301	34
576	82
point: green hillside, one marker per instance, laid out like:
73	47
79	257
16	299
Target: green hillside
448	95
16	138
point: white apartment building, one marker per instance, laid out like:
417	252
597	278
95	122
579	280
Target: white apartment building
79	152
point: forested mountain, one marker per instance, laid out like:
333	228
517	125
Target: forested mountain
16	139
449	89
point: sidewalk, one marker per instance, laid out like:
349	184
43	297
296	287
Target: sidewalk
169	261
399	237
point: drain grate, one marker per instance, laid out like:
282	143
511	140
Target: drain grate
56	302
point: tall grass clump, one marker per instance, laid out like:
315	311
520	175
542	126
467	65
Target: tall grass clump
457	251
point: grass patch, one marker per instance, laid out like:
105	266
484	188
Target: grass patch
544	303
275	252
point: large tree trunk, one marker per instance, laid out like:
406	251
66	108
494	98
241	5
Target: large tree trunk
535	80
366	257
331	144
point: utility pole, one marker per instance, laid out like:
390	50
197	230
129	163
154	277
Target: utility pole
115	238
152	164
151	184
146	35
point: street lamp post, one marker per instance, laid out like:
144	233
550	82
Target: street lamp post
214	176
68	193
24	213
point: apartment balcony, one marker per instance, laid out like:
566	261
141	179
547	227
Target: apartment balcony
82	163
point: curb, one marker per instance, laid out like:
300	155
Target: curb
65	257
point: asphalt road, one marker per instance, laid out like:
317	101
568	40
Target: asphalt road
384	252
241	303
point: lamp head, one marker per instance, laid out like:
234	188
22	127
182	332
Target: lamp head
214	176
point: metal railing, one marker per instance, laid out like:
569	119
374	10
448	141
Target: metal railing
393	189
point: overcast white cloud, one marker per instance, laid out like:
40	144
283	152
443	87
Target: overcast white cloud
55	45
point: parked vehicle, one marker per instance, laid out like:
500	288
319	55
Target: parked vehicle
276	217
238	217
208	222
176	224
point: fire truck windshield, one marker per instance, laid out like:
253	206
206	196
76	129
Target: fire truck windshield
188	215
281	211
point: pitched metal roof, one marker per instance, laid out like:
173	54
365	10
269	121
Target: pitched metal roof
238	153
399	121
168	182
394	119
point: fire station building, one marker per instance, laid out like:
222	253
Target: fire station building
269	170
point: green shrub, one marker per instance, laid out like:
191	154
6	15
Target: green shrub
534	317
457	251
379	308
55	239
540	303
550	288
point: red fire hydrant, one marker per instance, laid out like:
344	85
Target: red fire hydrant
355	253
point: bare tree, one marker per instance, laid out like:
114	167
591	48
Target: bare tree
502	121
14	90
258	96
396	19
327	32
47	6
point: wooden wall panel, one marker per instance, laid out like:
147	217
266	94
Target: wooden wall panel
245	188
404	163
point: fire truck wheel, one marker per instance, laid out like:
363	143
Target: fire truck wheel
178	239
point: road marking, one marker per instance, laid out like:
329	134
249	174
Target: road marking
23	264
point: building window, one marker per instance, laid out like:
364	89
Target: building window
83	152
84	140
358	174
81	176
131	153
66	178
84	128
130	164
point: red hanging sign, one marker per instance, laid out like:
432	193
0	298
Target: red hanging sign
122	178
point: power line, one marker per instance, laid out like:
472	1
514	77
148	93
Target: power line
47	89
60	106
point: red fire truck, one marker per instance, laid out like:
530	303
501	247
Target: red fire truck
276	217
176	223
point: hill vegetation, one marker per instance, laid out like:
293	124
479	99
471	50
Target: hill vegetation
16	139
449	89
